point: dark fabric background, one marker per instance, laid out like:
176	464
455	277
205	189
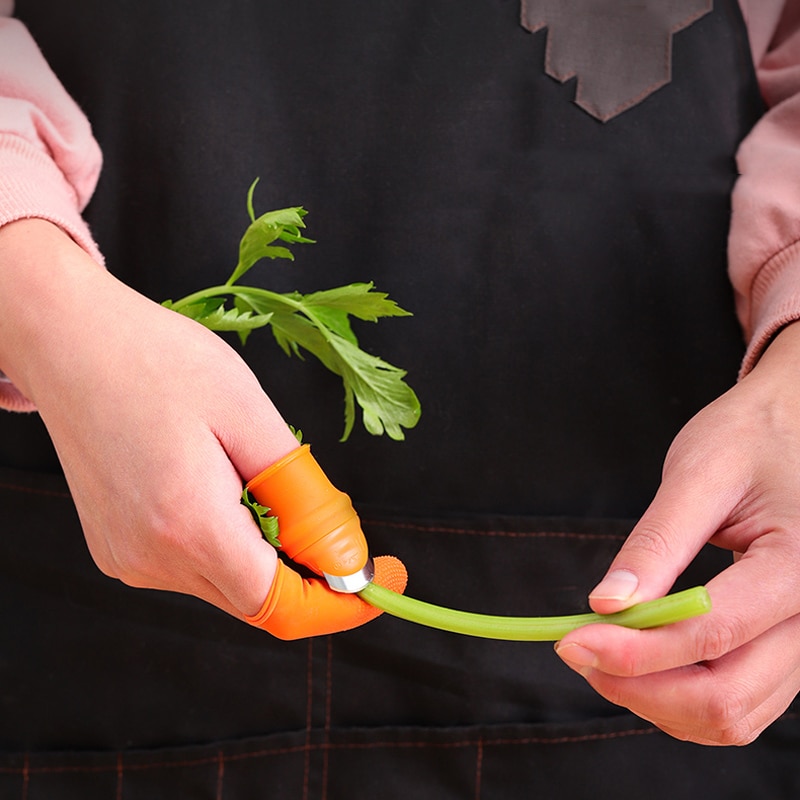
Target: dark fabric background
568	278
112	692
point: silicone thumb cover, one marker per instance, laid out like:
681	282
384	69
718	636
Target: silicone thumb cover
318	524
297	607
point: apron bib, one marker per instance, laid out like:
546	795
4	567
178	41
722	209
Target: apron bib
567	277
571	312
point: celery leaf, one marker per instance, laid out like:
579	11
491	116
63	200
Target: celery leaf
318	323
267	525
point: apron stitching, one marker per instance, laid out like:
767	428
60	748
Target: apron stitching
537	740
309	703
119	776
33	490
589	737
327	724
26	770
26	776
220	773
201	761
510	534
478	769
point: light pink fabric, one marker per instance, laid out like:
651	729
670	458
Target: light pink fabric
49	164
764	248
49	160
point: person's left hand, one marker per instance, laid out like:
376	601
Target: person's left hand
732	478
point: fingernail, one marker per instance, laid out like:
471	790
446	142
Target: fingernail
617	585
577	656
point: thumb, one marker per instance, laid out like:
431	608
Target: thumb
685	513
297	607
319	527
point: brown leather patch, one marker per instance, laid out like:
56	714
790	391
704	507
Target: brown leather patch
620	51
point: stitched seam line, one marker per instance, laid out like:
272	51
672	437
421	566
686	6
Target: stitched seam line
220	774
278	751
120	773
510	534
478	769
309	719
12	487
27	769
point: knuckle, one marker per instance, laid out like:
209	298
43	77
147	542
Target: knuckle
627	662
738	735
717	639
653	539
735	736
726	711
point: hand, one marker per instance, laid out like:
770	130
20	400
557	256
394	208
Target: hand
156	422
732	478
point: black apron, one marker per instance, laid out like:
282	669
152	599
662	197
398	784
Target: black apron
571	313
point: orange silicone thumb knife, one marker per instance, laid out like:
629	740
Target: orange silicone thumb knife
320	529
297	608
318	524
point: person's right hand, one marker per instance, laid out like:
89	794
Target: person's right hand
157	422
731	478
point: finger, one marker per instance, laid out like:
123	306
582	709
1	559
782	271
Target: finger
207	545
297	608
246	422
749	728
235	581
242	565
195	585
689	507
747	599
727	701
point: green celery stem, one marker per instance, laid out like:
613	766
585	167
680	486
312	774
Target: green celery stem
651	614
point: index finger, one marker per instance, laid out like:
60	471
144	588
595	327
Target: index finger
690	506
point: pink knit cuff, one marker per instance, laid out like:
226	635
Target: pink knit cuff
32	186
775	302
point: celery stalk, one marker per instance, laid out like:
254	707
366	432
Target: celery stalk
651	614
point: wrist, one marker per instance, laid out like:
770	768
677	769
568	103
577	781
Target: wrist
782	355
44	275
776	377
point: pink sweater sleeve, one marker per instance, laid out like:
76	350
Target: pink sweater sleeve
49	160
764	243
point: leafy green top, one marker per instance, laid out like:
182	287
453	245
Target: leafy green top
267	524
318	323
